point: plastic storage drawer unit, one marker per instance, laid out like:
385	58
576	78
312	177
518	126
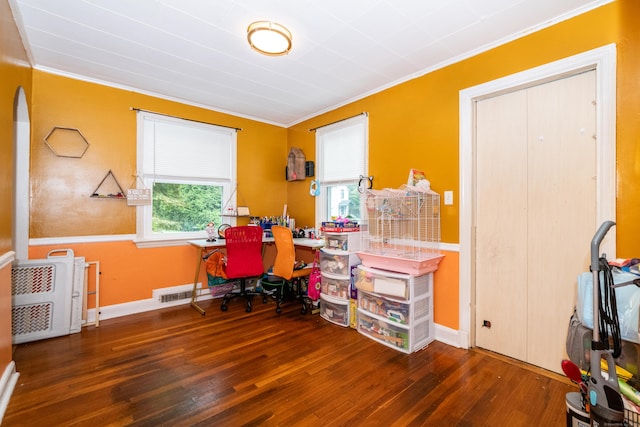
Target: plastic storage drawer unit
404	323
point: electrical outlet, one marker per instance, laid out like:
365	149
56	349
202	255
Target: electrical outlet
448	197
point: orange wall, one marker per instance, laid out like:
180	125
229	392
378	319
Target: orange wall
416	125
128	273
628	130
14	73
5	316
61	186
446	292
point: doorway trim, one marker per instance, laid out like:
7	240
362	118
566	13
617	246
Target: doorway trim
21	192
603	60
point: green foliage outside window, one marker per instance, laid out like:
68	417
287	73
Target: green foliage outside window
185	207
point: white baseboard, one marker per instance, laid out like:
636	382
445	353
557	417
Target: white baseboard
140	306
7	385
451	337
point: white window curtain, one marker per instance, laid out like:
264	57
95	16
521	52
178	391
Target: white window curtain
181	148
341	157
179	151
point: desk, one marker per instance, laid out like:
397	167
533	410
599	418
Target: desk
202	244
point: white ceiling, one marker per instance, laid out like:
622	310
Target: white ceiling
196	51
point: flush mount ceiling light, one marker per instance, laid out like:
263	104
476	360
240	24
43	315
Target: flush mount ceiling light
269	38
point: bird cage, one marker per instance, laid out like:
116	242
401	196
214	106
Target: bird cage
401	231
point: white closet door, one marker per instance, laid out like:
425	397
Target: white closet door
562	208
535	215
501	225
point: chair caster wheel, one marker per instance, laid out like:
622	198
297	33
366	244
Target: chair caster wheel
223	307
248	309
304	309
278	310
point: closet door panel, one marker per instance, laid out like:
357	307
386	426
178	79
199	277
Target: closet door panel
561	204
501	225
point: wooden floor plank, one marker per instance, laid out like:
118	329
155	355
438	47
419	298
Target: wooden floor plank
174	367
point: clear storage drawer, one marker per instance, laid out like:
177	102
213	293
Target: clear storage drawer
349	241
337	262
334	310
405	338
398	285
335	286
384	332
392	310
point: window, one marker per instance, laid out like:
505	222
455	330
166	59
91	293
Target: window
341	153
190	168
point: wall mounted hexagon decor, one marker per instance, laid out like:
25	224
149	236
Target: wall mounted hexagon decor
66	142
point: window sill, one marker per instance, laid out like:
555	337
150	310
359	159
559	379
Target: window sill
164	242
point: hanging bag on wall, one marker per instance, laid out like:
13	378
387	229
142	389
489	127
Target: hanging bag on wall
313	289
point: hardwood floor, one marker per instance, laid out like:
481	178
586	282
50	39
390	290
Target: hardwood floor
173	367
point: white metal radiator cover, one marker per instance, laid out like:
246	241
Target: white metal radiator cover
47	296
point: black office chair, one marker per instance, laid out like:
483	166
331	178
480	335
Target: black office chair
244	261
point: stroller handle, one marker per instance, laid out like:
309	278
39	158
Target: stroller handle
595	243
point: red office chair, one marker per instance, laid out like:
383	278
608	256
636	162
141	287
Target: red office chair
244	260
284	273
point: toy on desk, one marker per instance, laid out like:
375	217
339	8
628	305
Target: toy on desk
211	232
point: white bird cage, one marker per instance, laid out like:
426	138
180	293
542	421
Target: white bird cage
401	231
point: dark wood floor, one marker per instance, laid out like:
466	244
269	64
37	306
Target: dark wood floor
173	367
